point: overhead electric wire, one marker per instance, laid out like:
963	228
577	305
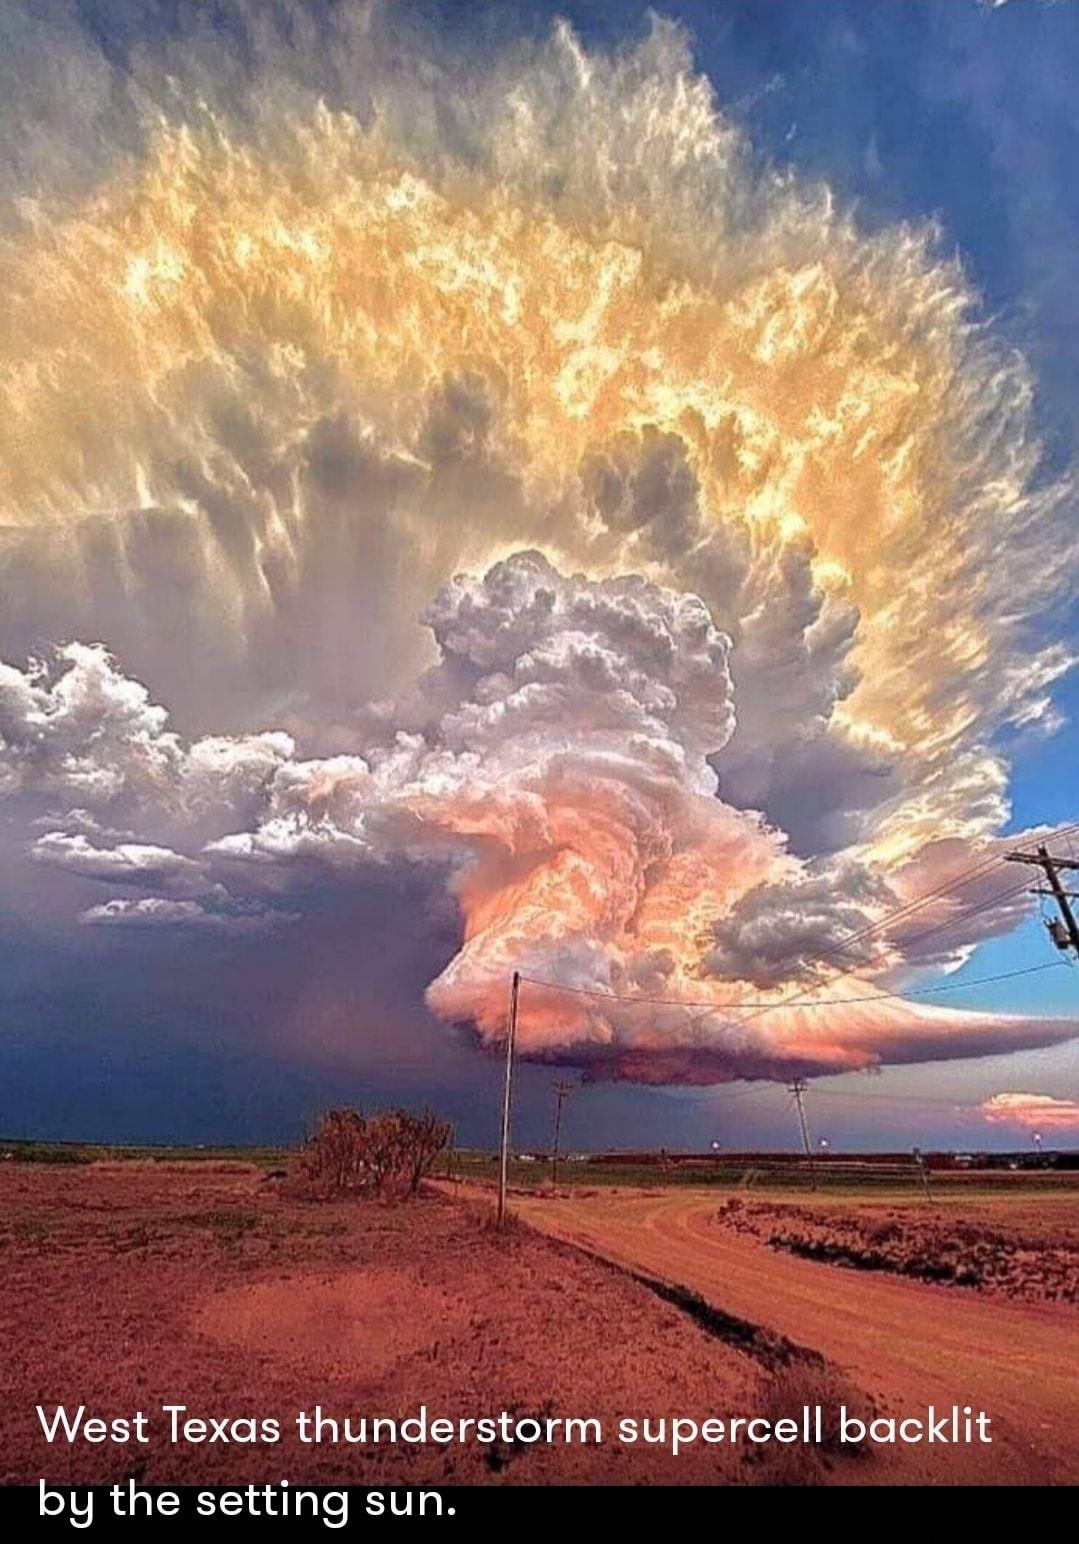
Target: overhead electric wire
984	866
771	1085
978	870
808	1002
969	911
959	881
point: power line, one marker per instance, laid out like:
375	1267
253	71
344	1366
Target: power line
966	914
1065	933
978	870
959	881
985	865
923	1101
807	1002
771	1086
929	932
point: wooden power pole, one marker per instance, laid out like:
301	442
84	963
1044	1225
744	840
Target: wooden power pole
562	1090
798	1087
923	1170
507	1099
1065	934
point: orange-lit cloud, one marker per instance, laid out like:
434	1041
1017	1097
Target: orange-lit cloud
1033	1112
495	470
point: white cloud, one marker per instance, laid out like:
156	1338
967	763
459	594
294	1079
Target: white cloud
155	912
1032	1112
134	863
561	779
596	517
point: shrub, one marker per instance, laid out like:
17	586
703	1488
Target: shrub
390	1151
385	1150
335	1155
800	1382
423	1137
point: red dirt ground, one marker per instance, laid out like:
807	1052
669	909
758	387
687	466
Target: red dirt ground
905	1342
132	1285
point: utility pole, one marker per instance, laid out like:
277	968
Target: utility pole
923	1170
507	1097
1064	934
798	1087
562	1091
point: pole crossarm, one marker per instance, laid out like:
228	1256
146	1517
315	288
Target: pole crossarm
1050	866
1039	862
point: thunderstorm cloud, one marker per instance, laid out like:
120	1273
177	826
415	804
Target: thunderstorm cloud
491	469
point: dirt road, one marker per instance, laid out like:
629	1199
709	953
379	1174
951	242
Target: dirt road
908	1344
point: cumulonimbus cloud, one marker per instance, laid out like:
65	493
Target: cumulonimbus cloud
558	775
495	469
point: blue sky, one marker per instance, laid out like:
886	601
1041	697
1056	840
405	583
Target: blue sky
967	114
911	109
951	110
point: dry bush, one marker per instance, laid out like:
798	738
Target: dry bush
333	1159
384	1154
402	1147
423	1137
784	1394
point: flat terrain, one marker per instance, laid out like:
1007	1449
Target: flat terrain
1001	1348
1018	1245
138	1283
131	1285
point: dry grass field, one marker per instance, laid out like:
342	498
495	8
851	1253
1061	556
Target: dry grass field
1021	1245
134	1284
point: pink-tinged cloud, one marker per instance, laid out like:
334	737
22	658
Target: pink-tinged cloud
1033	1112
499	471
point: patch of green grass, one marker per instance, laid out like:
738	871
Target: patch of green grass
23	1151
769	1175
42	1152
